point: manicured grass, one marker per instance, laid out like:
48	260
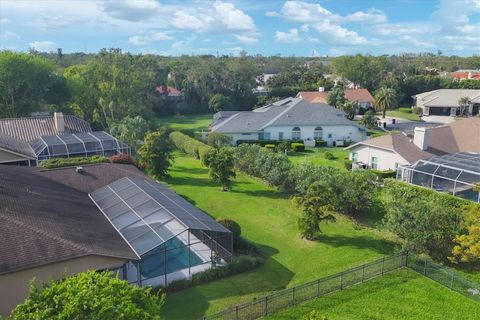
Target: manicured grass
403	115
191	123
403	294
316	156
269	219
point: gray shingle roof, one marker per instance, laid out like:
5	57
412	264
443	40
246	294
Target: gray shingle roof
42	221
287	112
17	146
29	129
447	97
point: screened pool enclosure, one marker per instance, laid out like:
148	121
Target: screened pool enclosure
83	144
456	174
172	238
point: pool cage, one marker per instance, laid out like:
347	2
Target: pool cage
172	238
456	174
83	144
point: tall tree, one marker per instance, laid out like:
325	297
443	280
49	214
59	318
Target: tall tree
385	99
463	103
156	152
350	108
336	96
131	130
220	162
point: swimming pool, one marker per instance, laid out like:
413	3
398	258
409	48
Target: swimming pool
177	258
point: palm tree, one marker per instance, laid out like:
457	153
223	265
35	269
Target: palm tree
385	98
463	104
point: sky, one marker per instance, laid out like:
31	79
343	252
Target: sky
268	27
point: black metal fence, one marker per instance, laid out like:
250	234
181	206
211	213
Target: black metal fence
445	276
292	296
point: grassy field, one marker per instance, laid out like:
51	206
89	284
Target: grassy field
403	114
403	294
268	218
191	123
316	156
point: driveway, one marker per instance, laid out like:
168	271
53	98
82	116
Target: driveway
409	125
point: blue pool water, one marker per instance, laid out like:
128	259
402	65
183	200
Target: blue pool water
153	264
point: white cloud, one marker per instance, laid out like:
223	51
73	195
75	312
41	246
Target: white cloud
288	37
372	16
43	46
139	40
406	28
299	11
132	10
272	14
247	38
9	35
338	33
183	20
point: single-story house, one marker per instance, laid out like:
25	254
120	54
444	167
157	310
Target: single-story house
361	96
465	75
29	140
445	102
169	93
60	222
289	119
390	151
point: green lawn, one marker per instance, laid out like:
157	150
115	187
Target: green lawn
191	123
403	115
316	156
403	294
268	218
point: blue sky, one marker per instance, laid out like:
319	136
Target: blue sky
269	27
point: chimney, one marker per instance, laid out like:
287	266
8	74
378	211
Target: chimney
420	137
59	121
321	89
469	75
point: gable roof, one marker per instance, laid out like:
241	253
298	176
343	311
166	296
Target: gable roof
16	146
460	136
360	95
43	221
30	128
446	97
287	112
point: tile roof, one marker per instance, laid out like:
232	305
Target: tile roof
287	112
446	97
360	95
43	221
17	146
459	136
30	128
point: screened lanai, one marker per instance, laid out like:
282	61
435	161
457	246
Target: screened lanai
172	238
456	174
83	144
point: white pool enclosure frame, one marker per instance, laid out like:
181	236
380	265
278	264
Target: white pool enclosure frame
457	174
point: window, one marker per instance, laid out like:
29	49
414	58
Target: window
264	136
374	163
354	156
296	133
318	133
330	135
280	135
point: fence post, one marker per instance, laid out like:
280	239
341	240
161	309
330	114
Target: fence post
451	282
383	265
236	312
363	273
293	295
318	288
425	268
341	280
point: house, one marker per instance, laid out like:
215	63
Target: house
64	221
361	96
289	119
169	93
29	140
445	102
391	151
465	75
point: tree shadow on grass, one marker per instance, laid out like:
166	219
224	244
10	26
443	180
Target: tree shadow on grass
192	303
272	194
381	246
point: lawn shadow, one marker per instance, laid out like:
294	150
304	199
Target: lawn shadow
373	218
381	246
193	303
272	194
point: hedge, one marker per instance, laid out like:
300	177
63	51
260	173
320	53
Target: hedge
263	143
384	174
298	147
70	162
320	143
189	145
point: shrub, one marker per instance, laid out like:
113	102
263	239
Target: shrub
320	143
270	147
265	142
314	315
189	145
347	163
283	146
417	110
122	158
234	227
405	109
70	162
384	174
298	147
328	155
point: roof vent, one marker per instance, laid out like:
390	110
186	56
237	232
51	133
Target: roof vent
79	169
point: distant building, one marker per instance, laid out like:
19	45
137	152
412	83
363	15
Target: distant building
390	151
29	140
169	93
289	119
361	96
445	102
465	75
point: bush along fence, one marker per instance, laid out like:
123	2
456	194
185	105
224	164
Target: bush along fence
286	298
282	299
